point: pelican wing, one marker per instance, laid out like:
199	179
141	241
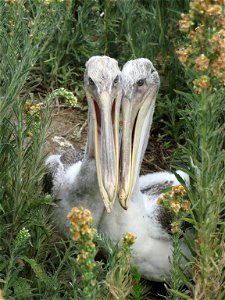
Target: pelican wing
57	166
71	157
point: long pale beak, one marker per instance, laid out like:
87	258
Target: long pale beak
106	139
137	119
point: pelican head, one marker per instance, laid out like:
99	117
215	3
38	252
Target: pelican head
102	82
140	82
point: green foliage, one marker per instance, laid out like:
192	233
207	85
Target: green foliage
43	46
204	153
121	29
141	290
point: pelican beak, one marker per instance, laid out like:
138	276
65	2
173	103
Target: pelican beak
106	110
137	117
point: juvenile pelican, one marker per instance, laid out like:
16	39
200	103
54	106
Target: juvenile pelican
77	182
143	216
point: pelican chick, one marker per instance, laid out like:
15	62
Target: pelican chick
91	182
141	214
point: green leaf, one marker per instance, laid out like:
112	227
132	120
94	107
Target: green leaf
39	272
22	288
181	295
166	190
188	220
2	209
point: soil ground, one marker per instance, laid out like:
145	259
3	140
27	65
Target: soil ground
70	125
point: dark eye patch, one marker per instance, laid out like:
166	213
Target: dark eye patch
140	82
90	81
116	80
152	71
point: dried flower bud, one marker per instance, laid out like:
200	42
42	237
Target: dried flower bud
174	227
129	239
160	201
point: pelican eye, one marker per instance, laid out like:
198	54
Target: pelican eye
115	81
152	71
140	82
90	81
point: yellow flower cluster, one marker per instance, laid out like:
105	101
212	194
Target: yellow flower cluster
176	200
202	63
202	83
83	258
174	227
185	23
129	239
1	295
196	34
177	190
32	109
206	7
11	1
214	10
33	114
176	206
81	220
205	51
184	54
82	231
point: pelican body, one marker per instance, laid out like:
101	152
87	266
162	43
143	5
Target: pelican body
91	182
138	212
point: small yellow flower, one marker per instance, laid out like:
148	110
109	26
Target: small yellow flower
1	295
199	6
82	256
90	244
174	227
219	22
129	239
185	23
30	134
170	193
202	63
91	266
193	36
218	67
160	201
218	42
11	1
202	83
221	2
86	229
175	206
81	221
214	10
179	189
185	205
183	55
76	236
222	82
